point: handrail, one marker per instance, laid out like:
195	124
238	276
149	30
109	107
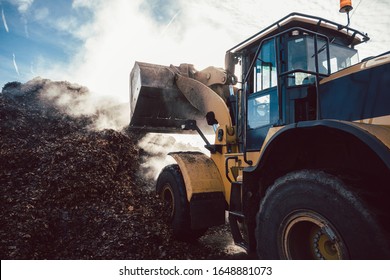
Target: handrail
277	25
227	166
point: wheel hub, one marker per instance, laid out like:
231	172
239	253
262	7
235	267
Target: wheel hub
308	235
169	199
323	247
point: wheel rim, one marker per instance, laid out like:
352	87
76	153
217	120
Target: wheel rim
169	199
308	235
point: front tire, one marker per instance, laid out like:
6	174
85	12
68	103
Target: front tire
171	189
313	215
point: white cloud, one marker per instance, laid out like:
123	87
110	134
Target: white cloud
83	4
68	24
4	21
41	14
23	8
122	34
23	5
15	64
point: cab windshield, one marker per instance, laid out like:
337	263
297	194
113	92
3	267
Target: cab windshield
302	54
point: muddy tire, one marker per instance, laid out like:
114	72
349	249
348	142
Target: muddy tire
313	215
171	189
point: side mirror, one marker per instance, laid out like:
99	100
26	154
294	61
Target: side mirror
230	62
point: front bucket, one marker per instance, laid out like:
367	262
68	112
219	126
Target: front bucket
156	104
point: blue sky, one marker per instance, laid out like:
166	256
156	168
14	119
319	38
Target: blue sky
95	42
34	33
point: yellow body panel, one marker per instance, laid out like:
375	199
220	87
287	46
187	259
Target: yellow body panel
383	120
239	164
199	172
380	60
382	132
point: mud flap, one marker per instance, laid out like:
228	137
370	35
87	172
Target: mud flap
204	188
207	209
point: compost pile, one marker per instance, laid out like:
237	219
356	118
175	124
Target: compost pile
68	191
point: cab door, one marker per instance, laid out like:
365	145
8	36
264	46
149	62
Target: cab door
262	96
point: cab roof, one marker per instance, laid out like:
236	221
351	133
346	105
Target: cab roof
343	35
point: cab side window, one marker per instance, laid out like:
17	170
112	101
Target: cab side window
265	68
262	101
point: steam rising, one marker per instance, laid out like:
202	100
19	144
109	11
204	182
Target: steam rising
109	114
157	147
77	101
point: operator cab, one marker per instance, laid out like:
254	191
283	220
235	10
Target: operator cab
280	68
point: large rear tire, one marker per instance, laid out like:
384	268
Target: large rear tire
171	189
313	215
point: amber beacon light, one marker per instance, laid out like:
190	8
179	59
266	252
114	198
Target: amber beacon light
345	6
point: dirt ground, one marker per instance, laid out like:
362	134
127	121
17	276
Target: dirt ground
71	191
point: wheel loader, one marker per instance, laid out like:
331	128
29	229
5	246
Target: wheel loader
300	164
